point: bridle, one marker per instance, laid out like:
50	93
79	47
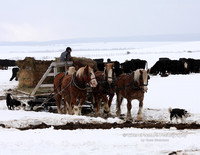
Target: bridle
86	78
142	83
106	77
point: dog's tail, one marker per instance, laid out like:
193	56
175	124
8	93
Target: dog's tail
170	109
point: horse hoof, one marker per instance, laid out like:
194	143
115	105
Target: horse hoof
106	109
121	117
76	110
139	118
118	114
129	119
107	115
106	112
97	115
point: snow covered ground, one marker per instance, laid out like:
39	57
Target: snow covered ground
113	141
179	91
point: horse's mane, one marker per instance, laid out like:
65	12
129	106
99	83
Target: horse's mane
137	75
80	72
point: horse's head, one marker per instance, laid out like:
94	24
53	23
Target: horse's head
109	72
142	77
89	76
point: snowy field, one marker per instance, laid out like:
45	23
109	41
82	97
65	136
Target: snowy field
176	91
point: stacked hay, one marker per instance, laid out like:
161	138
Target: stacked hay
31	71
81	61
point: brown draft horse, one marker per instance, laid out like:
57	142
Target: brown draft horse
104	80
132	86
57	86
73	88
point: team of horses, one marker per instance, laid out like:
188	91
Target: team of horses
72	88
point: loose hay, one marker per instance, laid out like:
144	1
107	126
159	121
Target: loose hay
31	71
81	61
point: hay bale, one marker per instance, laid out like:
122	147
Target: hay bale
82	61
31	71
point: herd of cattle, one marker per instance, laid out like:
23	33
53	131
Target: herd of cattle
163	67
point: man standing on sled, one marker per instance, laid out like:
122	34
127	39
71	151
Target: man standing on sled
65	57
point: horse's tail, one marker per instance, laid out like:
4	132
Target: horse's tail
170	109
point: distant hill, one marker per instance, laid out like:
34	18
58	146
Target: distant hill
149	38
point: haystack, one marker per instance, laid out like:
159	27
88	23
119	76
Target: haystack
85	61
31	71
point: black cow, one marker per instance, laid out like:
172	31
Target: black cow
138	64
98	60
117	68
5	63
133	65
161	67
195	65
100	66
185	69
127	66
14	74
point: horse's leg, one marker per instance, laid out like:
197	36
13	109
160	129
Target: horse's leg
58	102
110	99
106	106
129	106
140	115
66	105
82	100
75	109
98	105
119	102
70	107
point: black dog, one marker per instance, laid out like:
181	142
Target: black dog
178	114
11	102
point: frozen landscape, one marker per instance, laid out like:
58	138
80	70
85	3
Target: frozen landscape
176	91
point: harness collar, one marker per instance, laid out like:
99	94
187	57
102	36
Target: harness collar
76	84
86	79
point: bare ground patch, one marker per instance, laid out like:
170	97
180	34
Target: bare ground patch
141	125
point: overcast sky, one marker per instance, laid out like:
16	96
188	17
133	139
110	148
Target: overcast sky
42	20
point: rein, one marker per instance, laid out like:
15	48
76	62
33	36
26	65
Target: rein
73	82
103	79
59	93
104	86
